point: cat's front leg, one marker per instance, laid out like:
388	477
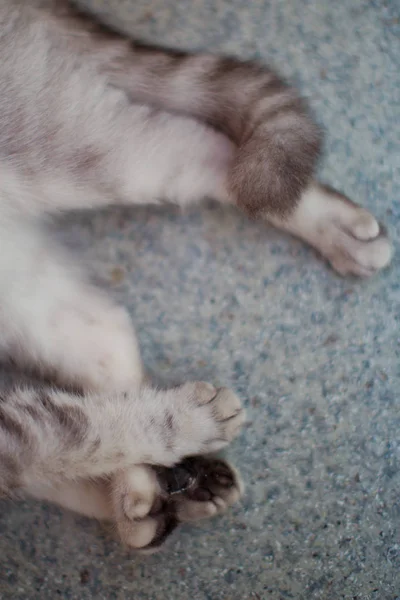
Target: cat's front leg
49	436
89	460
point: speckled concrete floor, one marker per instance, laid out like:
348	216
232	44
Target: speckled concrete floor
316	358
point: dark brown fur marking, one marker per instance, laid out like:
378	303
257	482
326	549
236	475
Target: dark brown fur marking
86	159
169	421
71	419
33	412
9	474
13	428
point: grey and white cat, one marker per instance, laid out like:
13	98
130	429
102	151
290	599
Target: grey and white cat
87	119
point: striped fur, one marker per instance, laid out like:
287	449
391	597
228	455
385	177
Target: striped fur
89	118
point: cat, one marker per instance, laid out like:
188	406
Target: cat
89	118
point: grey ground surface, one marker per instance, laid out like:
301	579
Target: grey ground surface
315	357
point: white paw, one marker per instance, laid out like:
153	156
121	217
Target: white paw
348	236
208	419
357	245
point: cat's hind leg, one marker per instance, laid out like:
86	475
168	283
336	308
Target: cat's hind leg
140	133
147	503
187	161
199	488
344	233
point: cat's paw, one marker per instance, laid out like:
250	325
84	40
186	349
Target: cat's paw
346	234
213	485
150	502
136	499
207	420
359	245
349	236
